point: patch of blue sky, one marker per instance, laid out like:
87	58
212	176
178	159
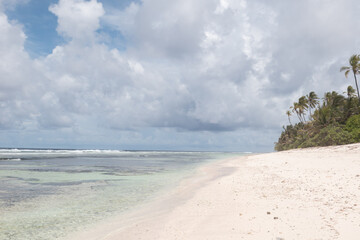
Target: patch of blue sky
39	26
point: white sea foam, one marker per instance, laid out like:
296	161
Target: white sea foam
10	159
55	153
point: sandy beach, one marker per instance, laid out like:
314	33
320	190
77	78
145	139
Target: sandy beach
298	194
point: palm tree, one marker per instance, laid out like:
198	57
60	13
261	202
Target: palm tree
328	99
295	108
303	106
350	92
354	62
322	115
351	103
288	113
312	100
334	102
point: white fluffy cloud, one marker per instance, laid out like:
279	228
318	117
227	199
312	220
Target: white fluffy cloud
78	19
215	65
16	70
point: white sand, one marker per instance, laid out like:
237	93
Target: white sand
299	194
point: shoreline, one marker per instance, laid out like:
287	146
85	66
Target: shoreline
297	194
157	206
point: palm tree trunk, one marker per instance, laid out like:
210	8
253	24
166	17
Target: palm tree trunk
357	87
299	116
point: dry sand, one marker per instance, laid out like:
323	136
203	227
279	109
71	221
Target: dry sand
299	194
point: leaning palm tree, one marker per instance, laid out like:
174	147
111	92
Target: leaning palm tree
303	106
295	108
288	113
312	100
354	62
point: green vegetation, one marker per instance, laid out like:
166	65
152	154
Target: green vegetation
354	62
333	121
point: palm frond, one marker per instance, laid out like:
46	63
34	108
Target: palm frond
344	68
347	73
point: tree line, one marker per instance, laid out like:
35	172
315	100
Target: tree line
332	120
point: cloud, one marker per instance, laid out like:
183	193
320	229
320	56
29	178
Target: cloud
78	19
212	50
16	68
215	66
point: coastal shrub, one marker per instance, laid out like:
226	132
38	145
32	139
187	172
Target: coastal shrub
356	135
290	137
308	143
353	123
333	134
353	126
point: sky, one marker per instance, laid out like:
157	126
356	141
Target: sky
206	75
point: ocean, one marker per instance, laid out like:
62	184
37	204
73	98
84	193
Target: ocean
47	194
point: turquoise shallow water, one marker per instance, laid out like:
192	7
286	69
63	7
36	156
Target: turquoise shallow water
47	194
